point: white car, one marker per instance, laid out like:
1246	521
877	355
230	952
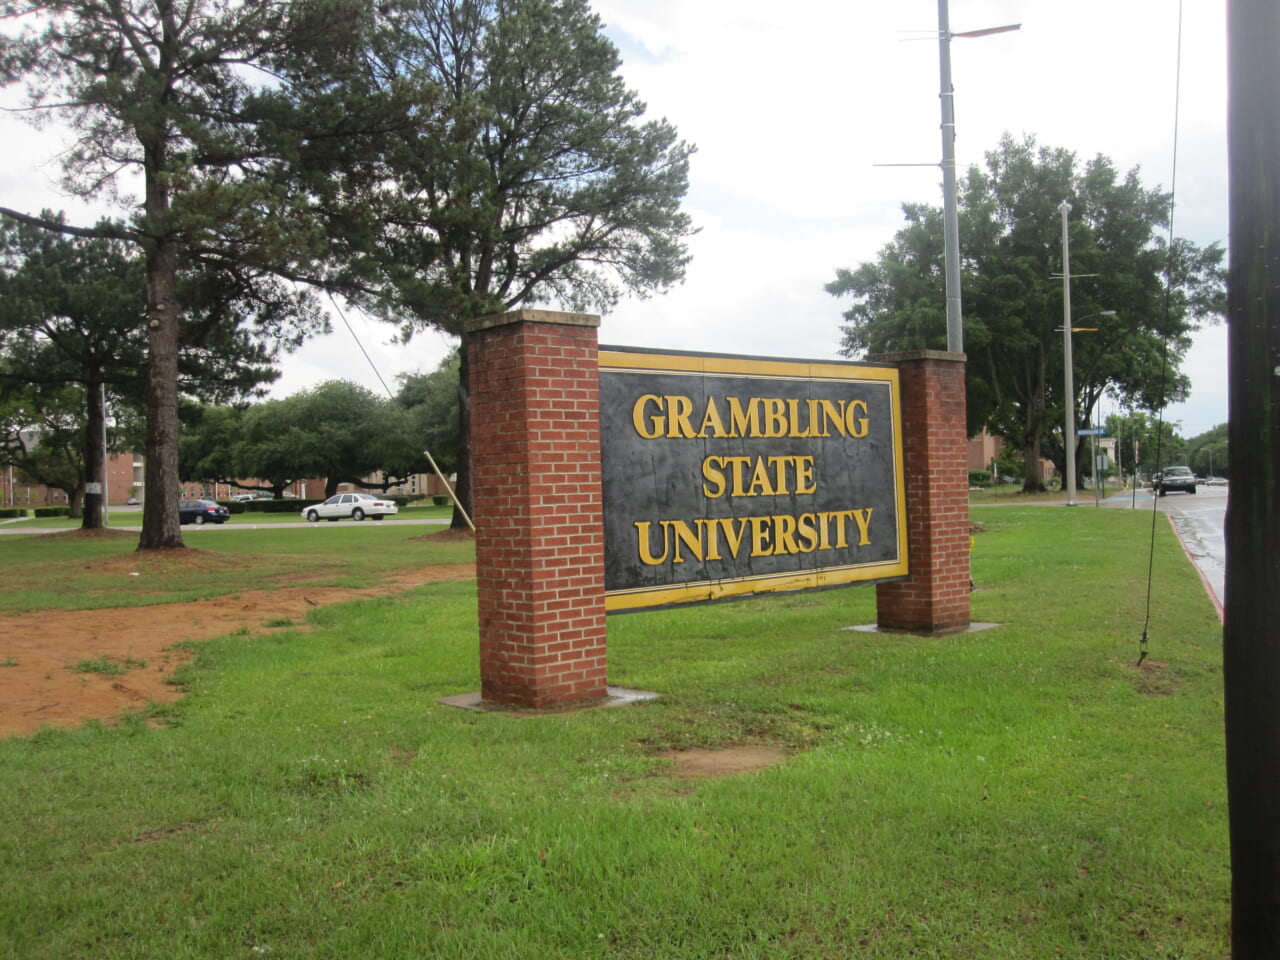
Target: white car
357	506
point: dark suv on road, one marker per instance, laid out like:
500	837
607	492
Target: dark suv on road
1175	478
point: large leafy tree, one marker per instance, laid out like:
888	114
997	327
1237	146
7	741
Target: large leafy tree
1207	453
533	177
431	401
71	327
1144	444
202	107
41	437
1011	249
337	430
72	313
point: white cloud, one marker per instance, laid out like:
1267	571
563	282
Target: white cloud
792	108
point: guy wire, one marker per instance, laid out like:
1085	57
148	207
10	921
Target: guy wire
1164	351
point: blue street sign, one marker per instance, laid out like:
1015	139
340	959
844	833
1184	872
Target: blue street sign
1092	432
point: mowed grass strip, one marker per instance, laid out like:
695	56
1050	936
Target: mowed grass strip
1026	791
71	571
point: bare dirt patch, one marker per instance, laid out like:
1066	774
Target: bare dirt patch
39	685
744	758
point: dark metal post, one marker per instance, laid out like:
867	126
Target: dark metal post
1251	632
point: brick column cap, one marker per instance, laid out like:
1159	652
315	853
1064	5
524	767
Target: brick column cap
526	315
906	355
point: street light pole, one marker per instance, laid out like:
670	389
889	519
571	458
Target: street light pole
1069	387
950	214
950	209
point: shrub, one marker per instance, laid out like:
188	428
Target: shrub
979	478
283	505
440	500
7	513
52	511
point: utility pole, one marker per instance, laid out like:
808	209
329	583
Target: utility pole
1068	375
1251	626
950	214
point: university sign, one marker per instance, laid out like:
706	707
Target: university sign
609	480
726	476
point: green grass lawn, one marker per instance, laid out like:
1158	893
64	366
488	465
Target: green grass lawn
1020	792
73	572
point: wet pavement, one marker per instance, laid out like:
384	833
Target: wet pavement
1199	520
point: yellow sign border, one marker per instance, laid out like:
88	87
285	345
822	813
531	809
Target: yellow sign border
703	591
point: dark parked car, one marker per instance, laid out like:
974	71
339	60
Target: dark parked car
1174	478
202	511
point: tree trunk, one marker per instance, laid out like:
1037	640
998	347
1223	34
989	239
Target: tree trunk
94	452
462	485
1032	481
75	501
1251	634
160	526
1032	476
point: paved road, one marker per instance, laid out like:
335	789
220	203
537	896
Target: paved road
120	520
1199	520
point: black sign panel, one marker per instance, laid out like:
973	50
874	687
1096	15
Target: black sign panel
725	476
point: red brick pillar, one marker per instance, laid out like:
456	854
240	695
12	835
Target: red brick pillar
535	461
935	597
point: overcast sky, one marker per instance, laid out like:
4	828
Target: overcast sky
793	105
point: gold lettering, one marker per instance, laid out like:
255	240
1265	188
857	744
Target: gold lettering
842	521
863	519
739	465
710	528
733	538
711	420
688	537
793	412
832	416
807	527
655	416
857	428
775	419
768	536
769	476
642	537
760	480
655	425
744	423
713	475
805	483
760	544
679	409
784	535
